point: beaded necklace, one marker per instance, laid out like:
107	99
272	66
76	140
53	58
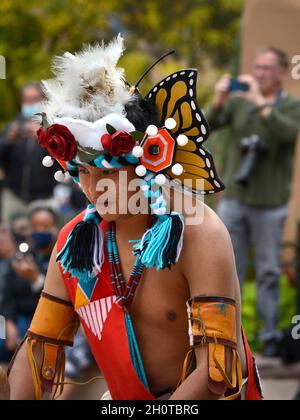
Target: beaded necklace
124	291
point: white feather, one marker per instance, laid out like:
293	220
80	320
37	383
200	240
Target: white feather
88	85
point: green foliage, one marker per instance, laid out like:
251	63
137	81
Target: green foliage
32	32
251	323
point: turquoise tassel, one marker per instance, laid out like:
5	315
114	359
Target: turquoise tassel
134	352
161	245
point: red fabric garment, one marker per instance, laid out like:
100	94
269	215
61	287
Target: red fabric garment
254	392
104	324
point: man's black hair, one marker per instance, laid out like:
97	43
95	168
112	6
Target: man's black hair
140	113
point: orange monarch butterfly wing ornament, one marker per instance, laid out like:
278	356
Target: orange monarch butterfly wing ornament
175	97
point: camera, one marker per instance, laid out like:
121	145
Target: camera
237	86
253	149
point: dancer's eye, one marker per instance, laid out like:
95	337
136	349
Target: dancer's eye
83	170
109	172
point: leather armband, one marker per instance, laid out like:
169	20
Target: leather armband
212	322
54	326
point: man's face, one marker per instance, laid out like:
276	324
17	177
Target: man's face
267	72
31	96
107	190
43	221
44	229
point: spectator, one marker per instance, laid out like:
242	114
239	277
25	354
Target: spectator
26	180
25	279
264	122
7	251
21	229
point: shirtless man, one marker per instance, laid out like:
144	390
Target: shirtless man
203	270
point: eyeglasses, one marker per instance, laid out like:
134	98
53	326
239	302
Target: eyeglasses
265	68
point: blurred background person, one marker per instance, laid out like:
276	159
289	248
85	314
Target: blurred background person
7	251
23	282
25	179
264	121
21	230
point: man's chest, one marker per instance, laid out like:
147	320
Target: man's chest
160	300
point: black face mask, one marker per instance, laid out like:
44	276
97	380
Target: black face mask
20	239
42	240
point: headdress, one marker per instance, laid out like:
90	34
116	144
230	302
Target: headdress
93	116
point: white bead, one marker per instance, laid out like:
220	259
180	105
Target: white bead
152	130
48	161
177	169
59	176
160	212
145	187
160	179
67	176
170	123
138	151
182	140
141	170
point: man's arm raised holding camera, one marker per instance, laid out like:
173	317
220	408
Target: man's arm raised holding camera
264	92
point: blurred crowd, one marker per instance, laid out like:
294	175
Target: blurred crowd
263	122
33	209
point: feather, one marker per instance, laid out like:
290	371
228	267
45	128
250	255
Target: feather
87	84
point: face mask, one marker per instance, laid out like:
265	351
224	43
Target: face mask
28	110
42	239
19	239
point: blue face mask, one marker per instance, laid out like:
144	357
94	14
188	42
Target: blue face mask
42	240
28	110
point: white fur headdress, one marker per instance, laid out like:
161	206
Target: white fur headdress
88	85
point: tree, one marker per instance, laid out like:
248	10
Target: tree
32	32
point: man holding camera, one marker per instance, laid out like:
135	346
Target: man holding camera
264	122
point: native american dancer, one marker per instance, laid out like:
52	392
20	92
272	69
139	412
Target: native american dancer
158	297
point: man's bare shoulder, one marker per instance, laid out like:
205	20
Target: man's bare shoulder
207	258
205	227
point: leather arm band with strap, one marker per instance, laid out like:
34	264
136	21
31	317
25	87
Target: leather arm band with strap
54	326
212	322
